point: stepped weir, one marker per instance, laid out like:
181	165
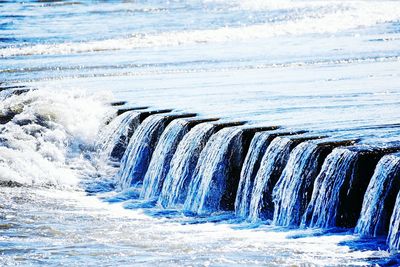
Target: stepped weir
264	174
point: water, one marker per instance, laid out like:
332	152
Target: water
213	185
272	164
297	177
251	164
43	144
380	198
160	162
336	173
324	66
35	233
137	156
183	164
114	138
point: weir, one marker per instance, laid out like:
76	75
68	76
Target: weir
15	90
183	163
293	190
271	167
251	165
142	110
263	174
8	91
393	238
160	162
13	87
216	177
380	198
4	118
137	156
340	187
123	110
118	103
146	113
114	138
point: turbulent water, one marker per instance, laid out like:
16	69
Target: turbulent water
380	197
82	185
271	167
334	179
183	164
114	138
160	162
209	191
298	176
249	171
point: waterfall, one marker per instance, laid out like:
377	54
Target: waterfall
393	238
215	180
272	164
337	170
340	187
380	197
183	163
137	156
293	190
209	167
114	137
251	164
160	161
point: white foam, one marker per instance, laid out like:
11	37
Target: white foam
41	143
300	17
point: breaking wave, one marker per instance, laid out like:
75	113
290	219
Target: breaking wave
44	135
292	18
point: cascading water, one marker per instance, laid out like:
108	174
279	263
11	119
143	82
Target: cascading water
393	239
251	164
272	164
327	66
203	165
137	155
337	170
380	197
216	176
160	161
113	139
293	190
340	187
183	164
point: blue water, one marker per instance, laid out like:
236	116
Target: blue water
330	67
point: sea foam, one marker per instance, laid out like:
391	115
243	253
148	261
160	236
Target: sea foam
45	140
296	18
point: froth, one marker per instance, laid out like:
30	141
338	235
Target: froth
297	18
43	144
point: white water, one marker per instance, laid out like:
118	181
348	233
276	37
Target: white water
49	151
298	176
303	64
109	235
336	170
273	162
300	18
183	164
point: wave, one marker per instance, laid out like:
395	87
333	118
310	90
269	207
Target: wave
45	133
304	18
